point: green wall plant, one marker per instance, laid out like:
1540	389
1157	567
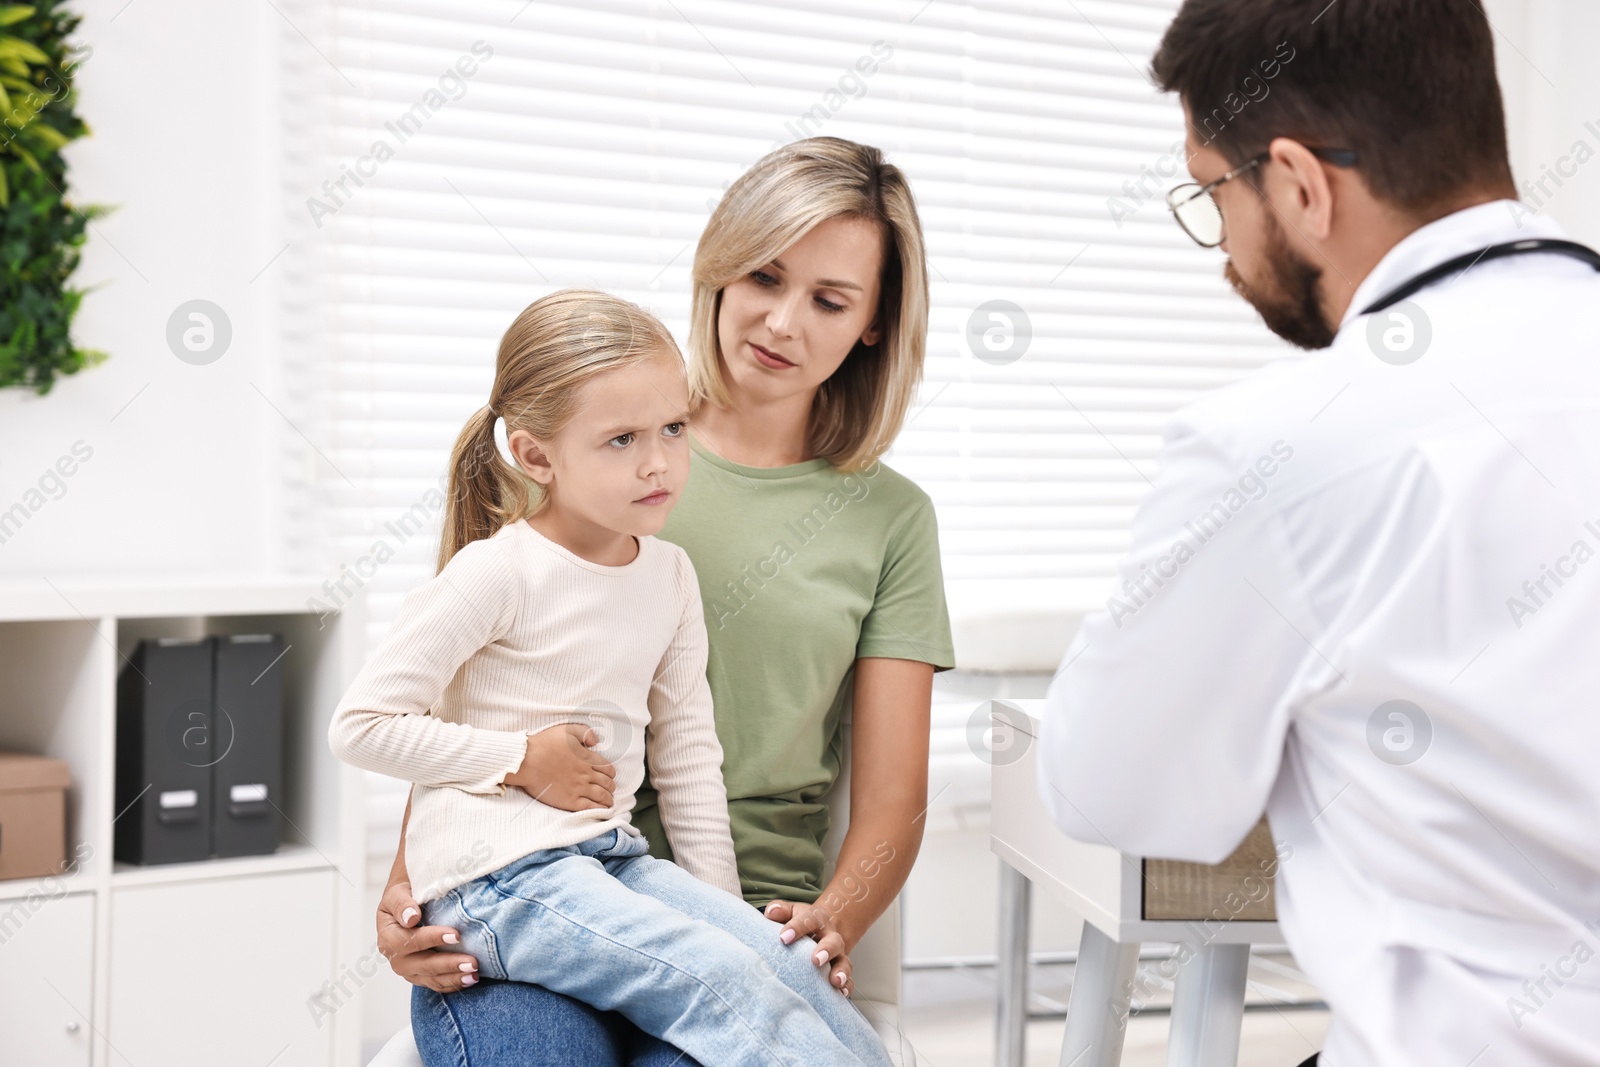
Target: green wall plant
41	232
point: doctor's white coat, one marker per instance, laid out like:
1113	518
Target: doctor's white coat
1364	596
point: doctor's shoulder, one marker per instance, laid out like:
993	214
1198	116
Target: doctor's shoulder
1237	422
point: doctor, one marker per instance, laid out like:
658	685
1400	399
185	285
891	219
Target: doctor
1364	594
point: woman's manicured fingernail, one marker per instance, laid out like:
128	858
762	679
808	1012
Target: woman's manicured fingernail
469	967
821	957
472	979
787	937
846	992
405	916
451	938
838	979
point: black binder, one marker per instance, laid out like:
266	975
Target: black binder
247	777
164	728
200	749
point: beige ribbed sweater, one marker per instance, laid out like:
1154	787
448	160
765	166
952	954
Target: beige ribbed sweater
516	635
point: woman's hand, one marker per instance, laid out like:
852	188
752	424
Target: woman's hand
816	922
561	768
409	947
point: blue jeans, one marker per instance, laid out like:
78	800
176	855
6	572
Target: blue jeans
513	1024
606	923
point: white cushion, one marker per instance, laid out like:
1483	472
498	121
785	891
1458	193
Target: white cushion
399	1051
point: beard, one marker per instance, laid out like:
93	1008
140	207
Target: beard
1287	298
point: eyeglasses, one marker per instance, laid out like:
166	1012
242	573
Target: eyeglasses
1196	209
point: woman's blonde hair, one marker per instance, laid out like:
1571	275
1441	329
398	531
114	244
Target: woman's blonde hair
558	343
859	410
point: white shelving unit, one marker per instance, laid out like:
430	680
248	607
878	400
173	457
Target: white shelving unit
225	961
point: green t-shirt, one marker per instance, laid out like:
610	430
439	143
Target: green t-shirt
802	570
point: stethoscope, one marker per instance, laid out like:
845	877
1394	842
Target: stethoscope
1462	262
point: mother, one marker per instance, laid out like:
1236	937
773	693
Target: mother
819	568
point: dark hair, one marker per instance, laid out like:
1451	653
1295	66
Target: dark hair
1408	84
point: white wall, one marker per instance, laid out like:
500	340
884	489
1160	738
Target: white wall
183	103
1546	51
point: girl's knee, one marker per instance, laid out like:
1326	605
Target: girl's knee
740	967
791	964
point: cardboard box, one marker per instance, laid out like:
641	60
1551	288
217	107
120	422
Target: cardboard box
33	815
1240	887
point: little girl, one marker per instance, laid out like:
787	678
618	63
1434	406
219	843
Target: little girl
555	603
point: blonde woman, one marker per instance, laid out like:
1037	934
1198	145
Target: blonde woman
819	574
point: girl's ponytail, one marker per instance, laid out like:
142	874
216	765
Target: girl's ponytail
482	485
558	343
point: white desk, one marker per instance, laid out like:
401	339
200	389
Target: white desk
1106	887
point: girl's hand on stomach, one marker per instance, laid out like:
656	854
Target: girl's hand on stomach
815	922
410	948
561	768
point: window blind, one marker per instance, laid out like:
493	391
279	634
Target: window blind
449	162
